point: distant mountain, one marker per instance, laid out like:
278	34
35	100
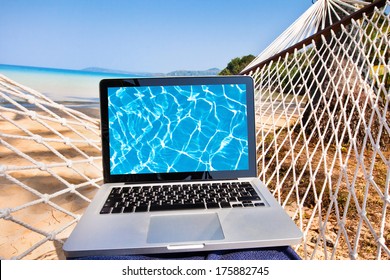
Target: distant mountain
209	72
114	71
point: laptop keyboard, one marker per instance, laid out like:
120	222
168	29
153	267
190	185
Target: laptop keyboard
181	197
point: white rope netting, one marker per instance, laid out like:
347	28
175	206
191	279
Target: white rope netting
324	129
50	167
323	143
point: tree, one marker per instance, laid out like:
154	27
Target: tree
236	65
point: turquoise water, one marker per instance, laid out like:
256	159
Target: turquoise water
59	84
177	129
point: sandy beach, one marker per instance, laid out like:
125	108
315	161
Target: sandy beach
38	206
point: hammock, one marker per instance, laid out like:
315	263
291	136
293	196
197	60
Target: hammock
329	167
323	114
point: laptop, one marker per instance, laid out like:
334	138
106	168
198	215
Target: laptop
179	164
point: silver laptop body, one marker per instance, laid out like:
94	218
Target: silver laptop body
179	163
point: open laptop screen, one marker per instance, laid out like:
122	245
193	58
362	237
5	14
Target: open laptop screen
177	128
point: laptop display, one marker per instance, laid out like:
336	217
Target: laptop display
153	131
179	130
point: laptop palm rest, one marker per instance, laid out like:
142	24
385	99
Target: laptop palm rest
184	228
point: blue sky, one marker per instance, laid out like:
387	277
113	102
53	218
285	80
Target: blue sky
140	35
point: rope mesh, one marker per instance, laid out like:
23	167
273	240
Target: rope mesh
323	134
50	168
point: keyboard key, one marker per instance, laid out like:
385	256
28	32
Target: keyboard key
248	198
248	204
115	190
225	205
117	210
259	204
111	202
128	209
121	204
136	189
106	210
126	190
165	207
237	205
212	205
141	208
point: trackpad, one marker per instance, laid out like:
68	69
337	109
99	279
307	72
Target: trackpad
184	228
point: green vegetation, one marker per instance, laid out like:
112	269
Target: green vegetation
236	65
378	51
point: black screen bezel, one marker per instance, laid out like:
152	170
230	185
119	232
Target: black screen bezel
173	81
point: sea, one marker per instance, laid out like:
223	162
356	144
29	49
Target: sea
60	85
78	86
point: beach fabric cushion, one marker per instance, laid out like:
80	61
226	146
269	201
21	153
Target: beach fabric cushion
272	253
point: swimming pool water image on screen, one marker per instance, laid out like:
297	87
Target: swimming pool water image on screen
167	129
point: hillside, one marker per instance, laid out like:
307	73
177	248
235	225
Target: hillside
208	72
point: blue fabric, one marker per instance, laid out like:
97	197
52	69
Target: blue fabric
273	253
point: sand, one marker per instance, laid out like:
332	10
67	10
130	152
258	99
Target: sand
28	220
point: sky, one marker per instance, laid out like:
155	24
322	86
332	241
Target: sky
140	35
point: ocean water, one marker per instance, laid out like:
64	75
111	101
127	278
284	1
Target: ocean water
59	84
178	129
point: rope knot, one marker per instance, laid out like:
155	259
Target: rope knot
3	168
51	236
386	196
72	188
381	240
31	99
5	214
41	166
37	138
67	141
353	256
45	198
33	115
